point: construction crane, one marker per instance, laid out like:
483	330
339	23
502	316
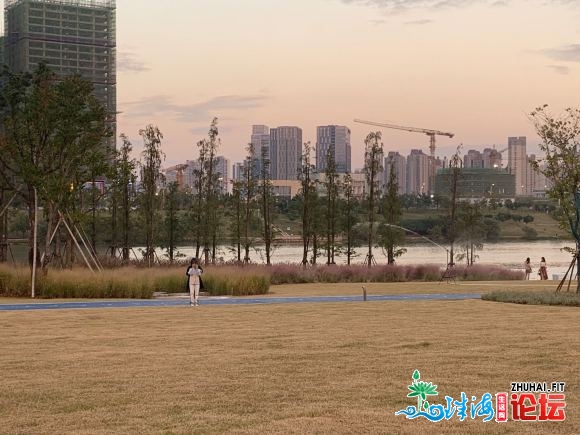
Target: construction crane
428	132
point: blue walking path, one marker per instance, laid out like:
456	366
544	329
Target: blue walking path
173	302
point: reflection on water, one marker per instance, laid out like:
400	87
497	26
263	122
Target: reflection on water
508	254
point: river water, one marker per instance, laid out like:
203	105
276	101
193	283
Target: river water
508	254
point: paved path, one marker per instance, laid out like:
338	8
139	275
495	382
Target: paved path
173	302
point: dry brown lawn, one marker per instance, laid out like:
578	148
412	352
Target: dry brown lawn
378	288
316	368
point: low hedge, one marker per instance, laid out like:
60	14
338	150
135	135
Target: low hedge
534	298
293	274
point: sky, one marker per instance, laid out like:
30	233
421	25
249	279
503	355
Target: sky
472	67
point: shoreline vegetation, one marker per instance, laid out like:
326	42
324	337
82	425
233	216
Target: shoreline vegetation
142	283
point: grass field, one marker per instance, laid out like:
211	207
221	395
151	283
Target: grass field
287	369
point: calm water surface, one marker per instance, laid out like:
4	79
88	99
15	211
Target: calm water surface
507	254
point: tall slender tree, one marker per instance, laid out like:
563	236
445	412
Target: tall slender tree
391	236
307	191
199	203
123	180
171	221
349	215
249	195
151	177
373	167
331	186
210	192
267	200
455	168
237	230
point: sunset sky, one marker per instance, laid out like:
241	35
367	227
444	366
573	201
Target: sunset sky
474	68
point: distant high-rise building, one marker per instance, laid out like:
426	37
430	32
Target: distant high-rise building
222	171
238	171
518	162
418	172
491	158
399	165
337	139
189	174
191	170
70	37
476	183
261	141
536	183
285	152
473	160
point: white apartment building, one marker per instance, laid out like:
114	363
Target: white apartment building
399	164
418	172
518	162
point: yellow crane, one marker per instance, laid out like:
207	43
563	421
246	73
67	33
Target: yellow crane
427	131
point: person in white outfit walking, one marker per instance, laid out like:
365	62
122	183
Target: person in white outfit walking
194	272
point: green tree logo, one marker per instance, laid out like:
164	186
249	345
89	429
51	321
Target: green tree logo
421	390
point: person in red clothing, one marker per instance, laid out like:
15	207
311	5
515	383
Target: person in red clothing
543	269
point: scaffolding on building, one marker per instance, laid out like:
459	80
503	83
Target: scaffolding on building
109	4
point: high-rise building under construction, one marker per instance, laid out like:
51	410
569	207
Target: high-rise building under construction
69	36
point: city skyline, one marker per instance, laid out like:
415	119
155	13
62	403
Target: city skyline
474	68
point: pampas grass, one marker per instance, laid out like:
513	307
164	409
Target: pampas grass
293	274
130	282
486	272
140	282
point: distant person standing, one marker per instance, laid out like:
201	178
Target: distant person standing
194	272
543	269
528	268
